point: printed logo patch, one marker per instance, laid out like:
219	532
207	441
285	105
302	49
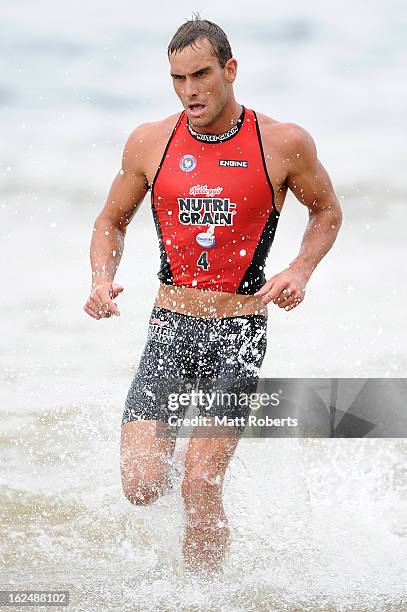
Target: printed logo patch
209	192
234	163
159	322
161	331
206	211
187	163
206	240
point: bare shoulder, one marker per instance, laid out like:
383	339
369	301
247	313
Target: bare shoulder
148	134
145	139
289	138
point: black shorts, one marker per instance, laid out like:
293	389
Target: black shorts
217	354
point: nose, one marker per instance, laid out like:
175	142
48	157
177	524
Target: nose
190	89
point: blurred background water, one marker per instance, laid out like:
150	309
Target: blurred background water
317	524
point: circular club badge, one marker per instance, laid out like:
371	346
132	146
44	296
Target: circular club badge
187	163
206	240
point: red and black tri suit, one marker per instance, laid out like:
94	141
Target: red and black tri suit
213	207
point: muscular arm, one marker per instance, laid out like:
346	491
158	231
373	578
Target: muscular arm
310	183
127	191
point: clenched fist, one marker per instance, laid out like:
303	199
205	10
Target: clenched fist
100	303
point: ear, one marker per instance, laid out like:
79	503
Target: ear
230	70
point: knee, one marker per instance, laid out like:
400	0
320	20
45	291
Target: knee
139	493
200	488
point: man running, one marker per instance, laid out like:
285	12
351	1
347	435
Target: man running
218	173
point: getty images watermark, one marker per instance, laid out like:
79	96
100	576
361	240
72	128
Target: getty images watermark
282	407
235	410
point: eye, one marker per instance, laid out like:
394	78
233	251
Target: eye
200	73
178	77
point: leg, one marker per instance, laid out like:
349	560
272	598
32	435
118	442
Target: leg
144	460
235	354
207	534
144	455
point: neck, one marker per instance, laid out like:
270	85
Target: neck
223	122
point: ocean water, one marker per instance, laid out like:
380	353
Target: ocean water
316	524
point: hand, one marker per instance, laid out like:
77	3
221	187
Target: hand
286	289
100	302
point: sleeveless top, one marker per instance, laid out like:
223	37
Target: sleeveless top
213	207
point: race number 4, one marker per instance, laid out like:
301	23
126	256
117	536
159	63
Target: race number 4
203	260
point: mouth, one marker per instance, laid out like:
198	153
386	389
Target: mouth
196	110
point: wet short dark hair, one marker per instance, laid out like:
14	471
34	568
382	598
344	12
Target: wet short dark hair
190	31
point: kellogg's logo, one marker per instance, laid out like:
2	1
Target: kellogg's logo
209	192
187	163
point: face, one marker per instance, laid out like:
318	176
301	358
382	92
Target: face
201	84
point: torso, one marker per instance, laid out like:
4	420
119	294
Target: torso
272	132
206	300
